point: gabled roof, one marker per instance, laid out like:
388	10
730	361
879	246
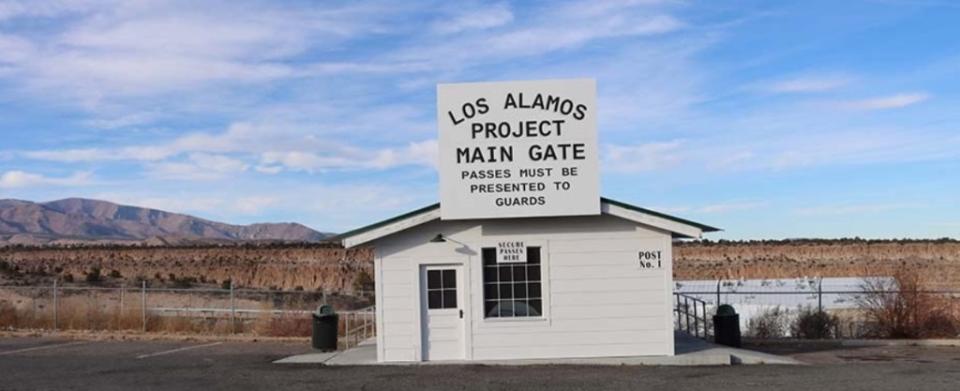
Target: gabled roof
677	226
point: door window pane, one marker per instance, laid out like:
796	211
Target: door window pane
449	298
433	279
449	278
434	299
442	289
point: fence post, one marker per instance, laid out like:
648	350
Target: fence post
718	292
120	315
706	331
56	314
143	306
696	321
820	295
233	310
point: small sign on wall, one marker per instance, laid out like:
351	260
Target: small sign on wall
652	259
511	252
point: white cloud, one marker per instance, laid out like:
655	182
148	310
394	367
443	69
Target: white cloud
718	208
198	166
414	154
483	17
142	153
853	209
267	169
807	84
731	207
274	146
886	102
641	158
562	27
21	179
109	51
254	204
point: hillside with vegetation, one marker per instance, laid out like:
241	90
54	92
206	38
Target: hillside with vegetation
850	257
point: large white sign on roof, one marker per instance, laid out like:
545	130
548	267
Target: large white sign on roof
518	149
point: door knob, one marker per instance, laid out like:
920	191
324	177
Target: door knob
461	314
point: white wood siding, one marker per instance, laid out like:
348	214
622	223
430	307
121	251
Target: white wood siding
597	300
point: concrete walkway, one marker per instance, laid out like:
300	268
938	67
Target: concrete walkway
688	351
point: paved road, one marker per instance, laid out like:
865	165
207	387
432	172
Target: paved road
43	363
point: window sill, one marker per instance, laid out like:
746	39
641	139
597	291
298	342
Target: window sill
516	319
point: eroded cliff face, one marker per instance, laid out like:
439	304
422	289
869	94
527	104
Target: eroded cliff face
939	260
336	269
309	268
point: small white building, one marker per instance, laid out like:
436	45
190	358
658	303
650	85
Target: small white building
524	288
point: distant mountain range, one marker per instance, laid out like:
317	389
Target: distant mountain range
85	220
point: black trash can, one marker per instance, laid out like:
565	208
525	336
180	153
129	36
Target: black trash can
325	323
726	326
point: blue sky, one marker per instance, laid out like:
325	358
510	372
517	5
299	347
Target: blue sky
768	119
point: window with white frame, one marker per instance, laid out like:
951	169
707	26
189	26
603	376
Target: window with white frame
512	290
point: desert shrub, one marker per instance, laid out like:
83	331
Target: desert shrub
225	284
9	269
363	282
904	308
138	281
9	316
811	323
93	276
115	274
771	323
68	277
184	282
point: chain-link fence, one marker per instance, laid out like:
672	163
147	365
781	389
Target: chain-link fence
187	311
773	307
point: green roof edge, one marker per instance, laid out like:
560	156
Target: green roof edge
703	227
381	223
340	237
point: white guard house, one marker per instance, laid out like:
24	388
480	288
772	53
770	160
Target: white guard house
524	288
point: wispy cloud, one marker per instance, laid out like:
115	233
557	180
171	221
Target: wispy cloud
731	207
269	148
419	153
886	102
146	48
806	84
22	179
853	209
197	166
718	208
640	158
479	18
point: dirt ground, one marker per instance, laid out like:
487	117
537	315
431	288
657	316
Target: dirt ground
834	352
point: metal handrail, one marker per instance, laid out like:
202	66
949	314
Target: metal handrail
682	308
367	328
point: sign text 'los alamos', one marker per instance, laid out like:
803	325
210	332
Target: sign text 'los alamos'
518	149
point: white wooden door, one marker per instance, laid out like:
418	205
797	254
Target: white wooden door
442	318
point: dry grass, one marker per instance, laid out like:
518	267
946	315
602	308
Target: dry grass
105	311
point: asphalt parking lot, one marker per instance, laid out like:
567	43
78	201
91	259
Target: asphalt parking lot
52	363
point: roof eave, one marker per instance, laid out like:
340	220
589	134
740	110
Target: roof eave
678	227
